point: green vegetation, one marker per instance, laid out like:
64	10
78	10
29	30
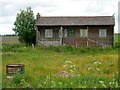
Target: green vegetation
85	67
116	38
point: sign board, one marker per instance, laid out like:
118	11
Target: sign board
13	69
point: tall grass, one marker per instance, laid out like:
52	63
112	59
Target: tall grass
43	63
117	38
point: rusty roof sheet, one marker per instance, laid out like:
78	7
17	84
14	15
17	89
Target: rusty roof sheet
75	20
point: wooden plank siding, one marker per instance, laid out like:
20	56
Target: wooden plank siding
76	40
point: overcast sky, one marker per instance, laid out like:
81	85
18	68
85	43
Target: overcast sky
10	8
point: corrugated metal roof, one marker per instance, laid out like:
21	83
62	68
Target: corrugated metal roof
75	20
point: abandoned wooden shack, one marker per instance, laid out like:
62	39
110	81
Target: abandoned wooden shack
75	30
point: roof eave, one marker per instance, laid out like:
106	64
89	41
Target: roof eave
77	25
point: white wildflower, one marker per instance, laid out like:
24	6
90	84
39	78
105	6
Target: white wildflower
47	77
39	85
70	62
113	82
97	62
52	81
74	68
104	85
70	70
110	82
60	83
98	69
44	82
65	65
89	68
74	65
66	61
101	82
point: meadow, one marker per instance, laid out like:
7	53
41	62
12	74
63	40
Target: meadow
61	67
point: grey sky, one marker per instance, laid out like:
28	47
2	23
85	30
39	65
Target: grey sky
9	10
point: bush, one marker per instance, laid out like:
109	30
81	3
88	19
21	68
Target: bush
117	45
6	47
68	49
57	49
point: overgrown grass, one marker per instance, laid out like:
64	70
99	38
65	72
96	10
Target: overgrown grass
94	67
52	81
11	47
117	38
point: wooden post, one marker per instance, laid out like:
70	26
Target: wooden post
87	37
36	35
61	36
33	46
76	45
113	44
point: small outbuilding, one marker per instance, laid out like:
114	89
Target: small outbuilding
75	30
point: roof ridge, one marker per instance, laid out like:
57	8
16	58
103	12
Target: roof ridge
75	20
73	16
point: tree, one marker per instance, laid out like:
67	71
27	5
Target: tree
25	26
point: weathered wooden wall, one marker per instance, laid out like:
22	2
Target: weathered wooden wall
76	40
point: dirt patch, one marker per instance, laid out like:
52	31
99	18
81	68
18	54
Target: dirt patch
64	74
14	39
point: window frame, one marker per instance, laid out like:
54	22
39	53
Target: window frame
71	32
49	35
101	33
83	33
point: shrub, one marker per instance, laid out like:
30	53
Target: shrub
117	45
6	47
68	48
57	49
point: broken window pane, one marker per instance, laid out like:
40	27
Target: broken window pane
71	32
83	32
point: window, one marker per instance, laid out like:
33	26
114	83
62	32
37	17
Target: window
48	33
102	32
71	32
83	32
